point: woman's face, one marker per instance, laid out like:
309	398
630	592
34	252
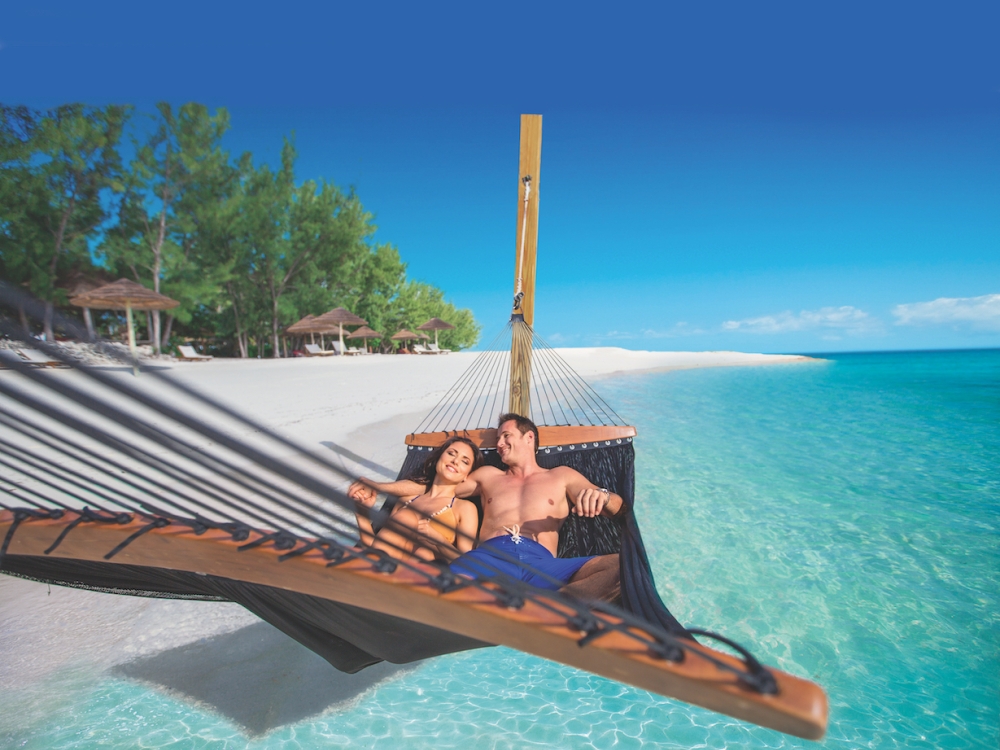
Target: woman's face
455	463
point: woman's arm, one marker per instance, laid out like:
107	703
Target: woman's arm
364	497
468	525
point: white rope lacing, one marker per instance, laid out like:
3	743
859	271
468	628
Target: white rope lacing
519	292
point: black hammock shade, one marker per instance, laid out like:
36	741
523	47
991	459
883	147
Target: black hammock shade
143	486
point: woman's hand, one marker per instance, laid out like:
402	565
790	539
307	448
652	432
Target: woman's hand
362	493
426	528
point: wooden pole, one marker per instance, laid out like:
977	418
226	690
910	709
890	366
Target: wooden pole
527	226
520	368
131	338
523	317
90	323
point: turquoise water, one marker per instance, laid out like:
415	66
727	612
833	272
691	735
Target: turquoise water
838	517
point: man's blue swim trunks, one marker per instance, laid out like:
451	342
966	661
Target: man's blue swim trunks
484	561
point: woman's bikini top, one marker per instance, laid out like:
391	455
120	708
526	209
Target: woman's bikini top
443	519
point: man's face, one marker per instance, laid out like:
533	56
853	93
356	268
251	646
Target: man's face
512	445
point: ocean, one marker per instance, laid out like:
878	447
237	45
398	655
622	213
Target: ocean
841	518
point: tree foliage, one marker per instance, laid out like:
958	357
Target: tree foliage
246	249
170	202
58	168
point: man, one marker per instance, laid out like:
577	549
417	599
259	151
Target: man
523	510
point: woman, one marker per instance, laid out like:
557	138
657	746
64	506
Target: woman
435	524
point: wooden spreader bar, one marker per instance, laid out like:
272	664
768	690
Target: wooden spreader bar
486	439
799	707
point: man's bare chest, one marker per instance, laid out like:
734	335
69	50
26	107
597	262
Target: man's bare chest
544	493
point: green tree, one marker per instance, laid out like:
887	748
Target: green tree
417	302
58	168
246	250
173	207
295	246
377	282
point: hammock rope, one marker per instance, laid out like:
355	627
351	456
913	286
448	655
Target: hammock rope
559	396
519	291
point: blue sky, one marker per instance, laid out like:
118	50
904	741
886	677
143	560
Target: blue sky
775	178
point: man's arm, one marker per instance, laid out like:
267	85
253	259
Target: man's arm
401	488
409	488
587	499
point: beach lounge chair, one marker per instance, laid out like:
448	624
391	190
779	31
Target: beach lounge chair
344	350
313	350
188	354
420	349
435	350
39	359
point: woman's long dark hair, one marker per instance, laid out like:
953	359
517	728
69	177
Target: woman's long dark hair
428	471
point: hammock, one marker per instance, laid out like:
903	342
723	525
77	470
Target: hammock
140	486
559	398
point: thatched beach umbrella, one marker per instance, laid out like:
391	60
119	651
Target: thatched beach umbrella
79	283
404	335
125	295
341	317
302	326
365	333
435	324
312	324
334	329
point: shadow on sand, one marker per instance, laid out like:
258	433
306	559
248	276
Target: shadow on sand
257	677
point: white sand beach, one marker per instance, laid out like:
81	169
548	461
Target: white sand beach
369	403
366	404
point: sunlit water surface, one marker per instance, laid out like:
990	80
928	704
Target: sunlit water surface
838	517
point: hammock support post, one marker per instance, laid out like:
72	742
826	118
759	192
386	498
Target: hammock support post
523	317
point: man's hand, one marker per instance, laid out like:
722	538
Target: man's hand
590	502
362	493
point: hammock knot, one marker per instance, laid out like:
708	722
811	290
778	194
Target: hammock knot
383	563
447	581
757	677
335	553
669	651
508	599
